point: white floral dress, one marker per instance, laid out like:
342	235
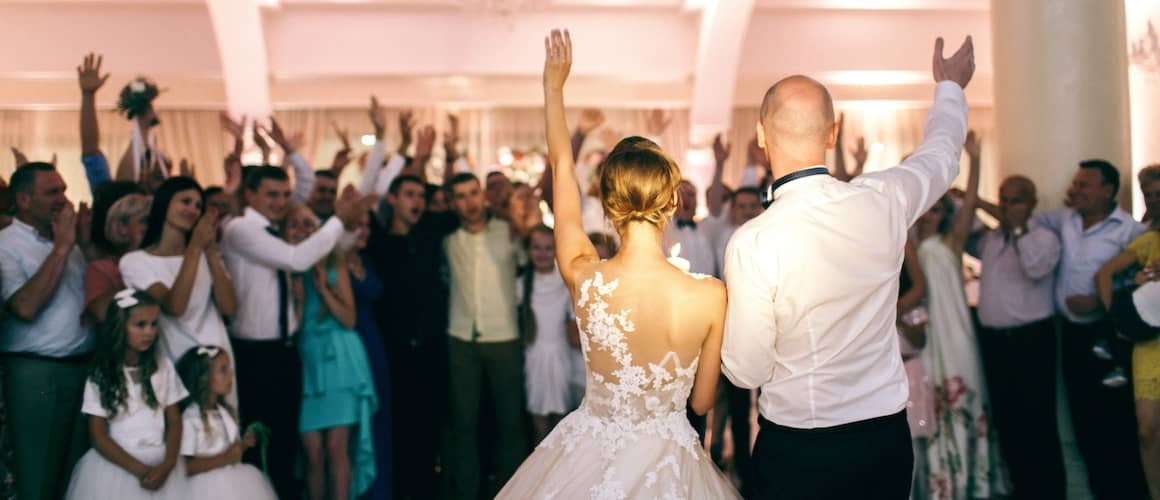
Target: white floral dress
630	438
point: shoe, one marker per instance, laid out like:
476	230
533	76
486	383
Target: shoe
1115	378
1100	349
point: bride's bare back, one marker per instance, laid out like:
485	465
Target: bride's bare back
646	316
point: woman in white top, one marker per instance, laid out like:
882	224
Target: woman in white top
180	267
651	334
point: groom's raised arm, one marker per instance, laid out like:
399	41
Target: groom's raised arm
747	350
927	174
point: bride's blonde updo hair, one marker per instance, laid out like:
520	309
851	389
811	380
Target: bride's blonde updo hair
638	182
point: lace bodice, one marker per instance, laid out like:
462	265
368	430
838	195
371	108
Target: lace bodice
638	398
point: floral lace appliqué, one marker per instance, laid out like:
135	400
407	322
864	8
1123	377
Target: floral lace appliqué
633	402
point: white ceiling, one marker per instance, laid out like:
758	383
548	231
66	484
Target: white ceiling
482	52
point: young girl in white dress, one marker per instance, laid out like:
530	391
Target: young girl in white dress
211	444
131	399
548	359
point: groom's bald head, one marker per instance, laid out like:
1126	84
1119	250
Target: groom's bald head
797	111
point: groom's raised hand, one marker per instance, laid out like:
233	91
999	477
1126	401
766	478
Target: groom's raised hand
959	68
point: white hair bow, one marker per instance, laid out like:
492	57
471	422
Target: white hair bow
208	350
125	298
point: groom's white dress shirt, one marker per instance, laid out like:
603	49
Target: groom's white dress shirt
813	284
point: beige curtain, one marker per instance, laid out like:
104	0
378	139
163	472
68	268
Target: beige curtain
891	131
194	135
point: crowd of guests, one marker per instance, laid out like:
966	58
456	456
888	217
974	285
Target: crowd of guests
406	339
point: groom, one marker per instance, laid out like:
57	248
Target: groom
813	284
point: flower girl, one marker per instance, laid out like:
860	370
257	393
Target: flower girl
131	399
211	443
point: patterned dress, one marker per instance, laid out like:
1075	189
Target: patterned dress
962	453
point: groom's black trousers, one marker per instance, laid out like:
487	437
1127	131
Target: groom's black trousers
870	459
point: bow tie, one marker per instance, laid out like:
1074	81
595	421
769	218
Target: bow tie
687	223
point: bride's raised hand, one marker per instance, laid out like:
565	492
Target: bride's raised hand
557	59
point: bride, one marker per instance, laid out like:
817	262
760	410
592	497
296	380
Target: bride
650	333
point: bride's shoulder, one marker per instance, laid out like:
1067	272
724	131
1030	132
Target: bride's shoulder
704	286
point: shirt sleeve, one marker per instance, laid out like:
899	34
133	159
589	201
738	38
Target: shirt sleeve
747	350
255	244
96	170
192	429
174	389
374	163
927	174
1039	253
1051	220
1142	245
136	273
394	167
303	178
12	275
92	402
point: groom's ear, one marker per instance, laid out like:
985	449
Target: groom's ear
760	135
832	138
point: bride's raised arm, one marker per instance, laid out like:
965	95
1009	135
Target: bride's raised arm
573	249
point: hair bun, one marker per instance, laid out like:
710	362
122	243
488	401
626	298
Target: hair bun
638	182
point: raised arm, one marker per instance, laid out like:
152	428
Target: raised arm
303	172
90	80
573	249
926	175
715	195
965	216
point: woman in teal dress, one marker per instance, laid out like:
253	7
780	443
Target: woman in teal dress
338	397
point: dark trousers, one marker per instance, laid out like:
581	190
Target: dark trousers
1104	418
1020	368
419	409
270	391
501	365
49	434
870	459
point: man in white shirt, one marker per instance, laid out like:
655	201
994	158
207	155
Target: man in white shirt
1017	340
46	347
269	371
683	230
813	284
483	344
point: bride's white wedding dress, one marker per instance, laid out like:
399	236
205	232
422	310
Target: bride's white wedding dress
630	438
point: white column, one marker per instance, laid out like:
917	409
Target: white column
242	48
1061	90
723	27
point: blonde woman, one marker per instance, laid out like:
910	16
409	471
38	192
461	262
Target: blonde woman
651	333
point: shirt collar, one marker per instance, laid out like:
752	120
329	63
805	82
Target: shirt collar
800	179
251	213
1118	216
